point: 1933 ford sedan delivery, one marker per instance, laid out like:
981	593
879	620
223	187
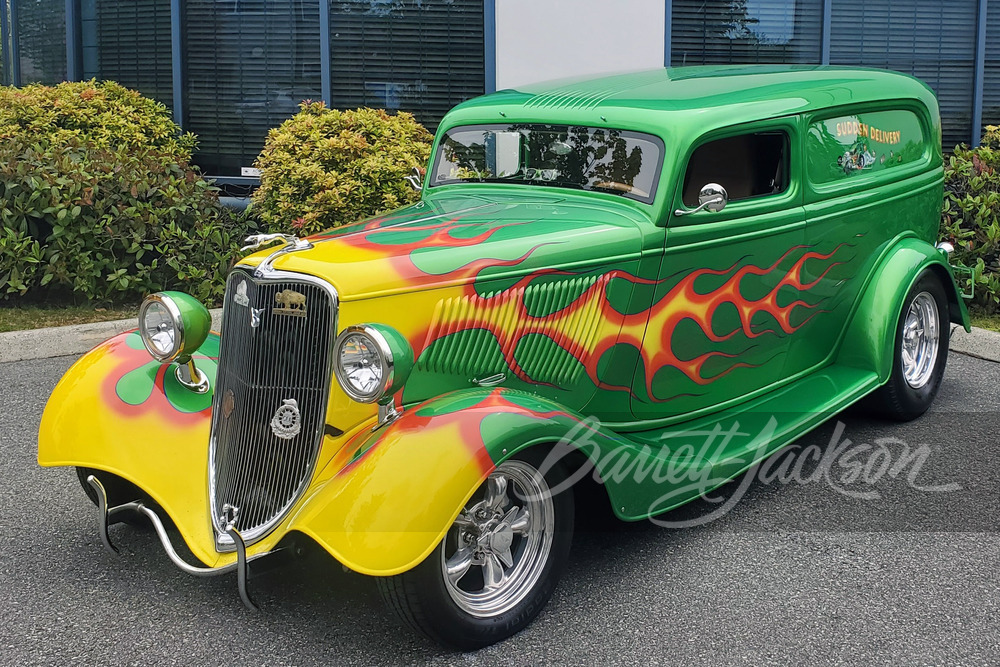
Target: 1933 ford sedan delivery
594	270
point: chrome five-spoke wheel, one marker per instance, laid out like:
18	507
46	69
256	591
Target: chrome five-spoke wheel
499	562
920	340
921	352
499	545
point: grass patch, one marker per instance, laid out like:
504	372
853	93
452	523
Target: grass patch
19	318
983	321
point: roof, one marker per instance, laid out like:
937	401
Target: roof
736	93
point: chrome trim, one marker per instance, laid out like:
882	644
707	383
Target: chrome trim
175	315
191	377
292	244
388	364
387	413
712	197
223	541
105	513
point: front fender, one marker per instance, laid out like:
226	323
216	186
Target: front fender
871	334
386	500
118	410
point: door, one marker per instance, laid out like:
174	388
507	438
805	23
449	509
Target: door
729	294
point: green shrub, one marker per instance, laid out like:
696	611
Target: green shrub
103	115
971	214
323	168
97	198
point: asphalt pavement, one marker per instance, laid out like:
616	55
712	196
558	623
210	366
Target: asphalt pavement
809	567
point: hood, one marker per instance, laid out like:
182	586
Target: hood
457	239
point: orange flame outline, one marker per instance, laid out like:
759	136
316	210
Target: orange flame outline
505	315
684	302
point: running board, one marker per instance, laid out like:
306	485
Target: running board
654	471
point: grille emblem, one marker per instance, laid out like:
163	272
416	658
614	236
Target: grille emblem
286	422
291	303
228	403
241	297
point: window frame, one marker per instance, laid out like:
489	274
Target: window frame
654	139
790	197
819	191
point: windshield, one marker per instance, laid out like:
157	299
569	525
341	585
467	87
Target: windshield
588	158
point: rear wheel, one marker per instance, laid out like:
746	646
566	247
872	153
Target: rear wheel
921	352
497	566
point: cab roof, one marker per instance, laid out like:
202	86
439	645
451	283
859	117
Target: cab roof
727	94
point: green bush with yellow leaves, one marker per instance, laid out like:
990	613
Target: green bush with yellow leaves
323	168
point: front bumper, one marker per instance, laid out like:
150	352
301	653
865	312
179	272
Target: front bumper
241	565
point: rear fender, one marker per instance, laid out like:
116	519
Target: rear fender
386	500
872	332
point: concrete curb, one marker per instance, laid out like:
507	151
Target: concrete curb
981	343
79	338
73	339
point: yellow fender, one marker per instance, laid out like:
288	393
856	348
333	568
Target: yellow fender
118	410
388	497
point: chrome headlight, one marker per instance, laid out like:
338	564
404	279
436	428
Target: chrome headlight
173	325
372	361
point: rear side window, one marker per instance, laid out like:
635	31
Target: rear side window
845	147
748	165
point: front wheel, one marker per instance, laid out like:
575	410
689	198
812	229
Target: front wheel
920	352
498	564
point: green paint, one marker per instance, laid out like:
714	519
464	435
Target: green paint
136	386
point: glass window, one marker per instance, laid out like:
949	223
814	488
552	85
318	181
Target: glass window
41	38
249	63
845	146
727	32
932	40
749	165
991	89
421	56
129	42
586	158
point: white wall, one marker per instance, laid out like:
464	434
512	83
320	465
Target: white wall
539	40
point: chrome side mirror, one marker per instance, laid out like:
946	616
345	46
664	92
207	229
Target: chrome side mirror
713	197
415	179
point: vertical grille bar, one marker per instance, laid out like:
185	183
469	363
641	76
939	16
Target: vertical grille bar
286	357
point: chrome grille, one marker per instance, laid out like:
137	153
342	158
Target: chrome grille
285	357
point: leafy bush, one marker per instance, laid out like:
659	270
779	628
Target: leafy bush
323	168
97	198
971	214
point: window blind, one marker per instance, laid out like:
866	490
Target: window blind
722	32
421	56
133	46
934	41
991	80
41	36
248	64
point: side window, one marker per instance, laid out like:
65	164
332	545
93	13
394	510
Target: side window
748	165
844	147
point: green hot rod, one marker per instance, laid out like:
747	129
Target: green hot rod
595	271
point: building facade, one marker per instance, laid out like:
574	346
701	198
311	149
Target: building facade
232	69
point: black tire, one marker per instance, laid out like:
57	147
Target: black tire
120	491
899	399
425	600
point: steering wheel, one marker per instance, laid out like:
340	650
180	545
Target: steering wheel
621	187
